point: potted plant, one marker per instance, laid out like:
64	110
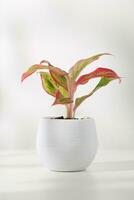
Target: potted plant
68	143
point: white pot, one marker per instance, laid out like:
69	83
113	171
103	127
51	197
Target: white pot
66	144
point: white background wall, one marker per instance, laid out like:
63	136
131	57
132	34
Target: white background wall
63	31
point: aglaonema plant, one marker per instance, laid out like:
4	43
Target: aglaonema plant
62	85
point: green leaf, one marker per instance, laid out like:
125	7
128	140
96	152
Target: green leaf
103	82
63	91
48	84
76	69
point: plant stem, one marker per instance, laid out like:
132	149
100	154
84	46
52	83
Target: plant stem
73	113
70	110
69	107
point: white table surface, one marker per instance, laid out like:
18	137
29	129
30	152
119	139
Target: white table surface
110	177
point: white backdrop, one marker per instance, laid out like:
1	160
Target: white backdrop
63	31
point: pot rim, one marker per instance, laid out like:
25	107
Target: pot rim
72	119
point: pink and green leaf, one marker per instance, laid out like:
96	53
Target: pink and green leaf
37	67
99	72
50	86
103	82
61	80
32	70
61	100
76	69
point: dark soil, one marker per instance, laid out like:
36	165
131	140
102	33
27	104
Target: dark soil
61	117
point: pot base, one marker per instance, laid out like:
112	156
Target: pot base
68	171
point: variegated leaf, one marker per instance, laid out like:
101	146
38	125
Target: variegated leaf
103	82
37	67
62	100
50	86
61	80
99	72
76	69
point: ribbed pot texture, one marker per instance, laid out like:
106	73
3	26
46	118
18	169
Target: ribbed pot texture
66	144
